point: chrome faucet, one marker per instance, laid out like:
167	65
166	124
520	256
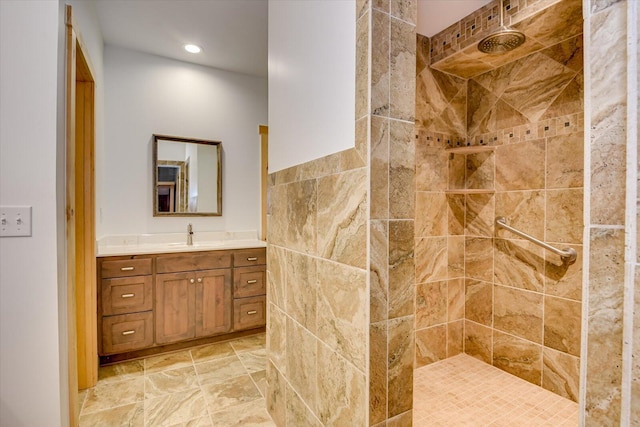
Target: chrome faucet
189	235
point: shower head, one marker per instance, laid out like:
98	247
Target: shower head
501	41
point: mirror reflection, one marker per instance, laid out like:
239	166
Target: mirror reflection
187	177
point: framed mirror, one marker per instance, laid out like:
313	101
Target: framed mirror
187	176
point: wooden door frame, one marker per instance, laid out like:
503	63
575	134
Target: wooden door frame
264	176
80	217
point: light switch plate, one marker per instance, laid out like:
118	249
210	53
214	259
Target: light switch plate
15	221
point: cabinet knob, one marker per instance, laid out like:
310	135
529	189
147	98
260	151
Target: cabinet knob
252	258
199	279
128	332
250	282
127	295
192	281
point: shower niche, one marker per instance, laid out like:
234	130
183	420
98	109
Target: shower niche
501	135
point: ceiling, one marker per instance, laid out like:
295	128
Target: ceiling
232	33
436	15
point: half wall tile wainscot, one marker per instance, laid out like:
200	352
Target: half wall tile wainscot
317	311
520	306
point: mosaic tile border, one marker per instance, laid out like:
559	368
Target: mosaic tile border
472	28
562	125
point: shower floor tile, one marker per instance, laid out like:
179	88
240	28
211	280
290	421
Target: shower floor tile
463	391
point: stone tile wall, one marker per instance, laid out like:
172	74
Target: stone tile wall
391	264
439	235
341	253
317	291
634	370
297	260
611	374
487	293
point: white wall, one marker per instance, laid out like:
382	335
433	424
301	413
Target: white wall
310	41
33	357
147	94
30	351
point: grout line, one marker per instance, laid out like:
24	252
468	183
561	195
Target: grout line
204	396
144	391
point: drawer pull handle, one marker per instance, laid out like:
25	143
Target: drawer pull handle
127	295
250	282
252	312
127	268
128	332
252	258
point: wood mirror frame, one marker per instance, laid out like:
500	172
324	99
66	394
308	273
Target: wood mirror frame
181	195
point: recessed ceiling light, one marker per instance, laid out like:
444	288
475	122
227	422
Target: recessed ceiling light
192	48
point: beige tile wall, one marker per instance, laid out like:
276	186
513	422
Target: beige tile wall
341	316
612	394
635	365
317	291
391	264
294	254
522	306
439	230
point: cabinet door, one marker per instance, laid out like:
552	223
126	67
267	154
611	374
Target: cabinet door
213	302
175	307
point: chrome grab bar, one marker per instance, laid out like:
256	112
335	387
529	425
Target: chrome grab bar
568	255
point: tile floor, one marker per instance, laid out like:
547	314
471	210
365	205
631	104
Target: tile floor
216	385
223	385
463	391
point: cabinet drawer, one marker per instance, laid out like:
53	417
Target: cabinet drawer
126	267
249	313
126	295
249	281
193	261
250	257
127	332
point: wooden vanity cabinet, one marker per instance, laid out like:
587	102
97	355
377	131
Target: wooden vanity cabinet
148	303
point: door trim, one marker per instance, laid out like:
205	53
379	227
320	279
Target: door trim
264	176
80	217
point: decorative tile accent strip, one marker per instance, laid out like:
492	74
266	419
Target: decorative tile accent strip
478	24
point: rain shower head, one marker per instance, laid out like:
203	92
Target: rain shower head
503	40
